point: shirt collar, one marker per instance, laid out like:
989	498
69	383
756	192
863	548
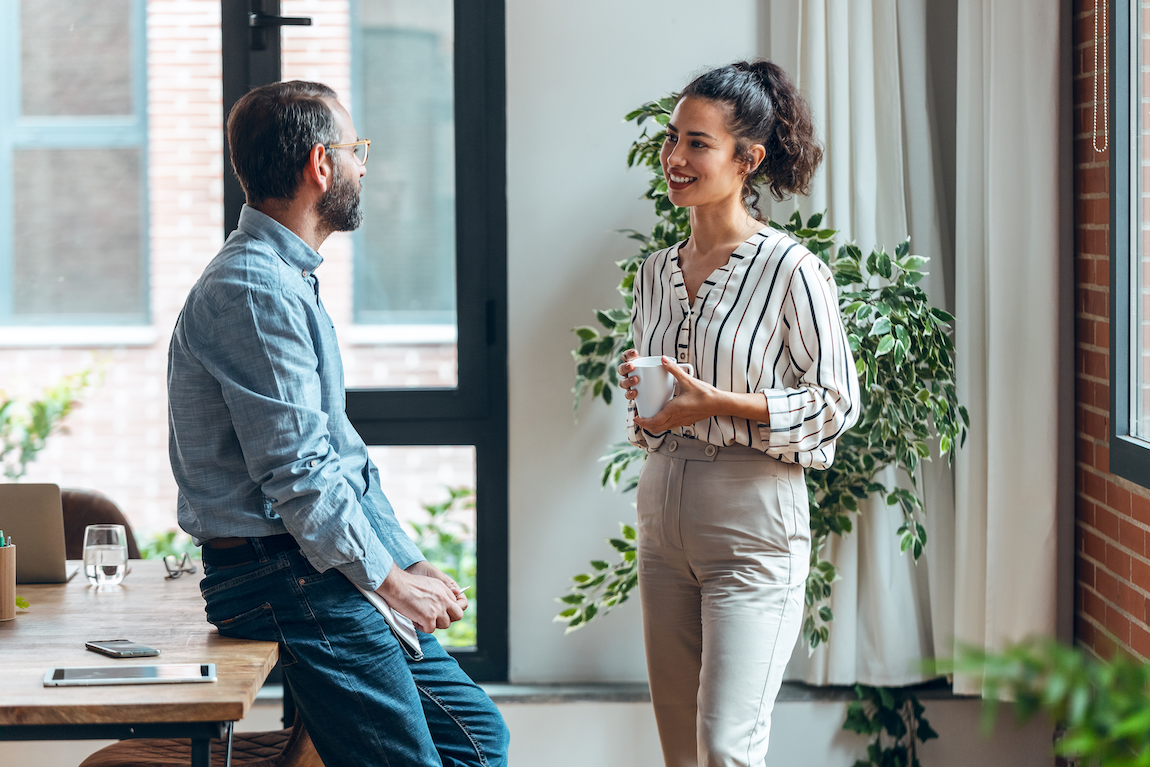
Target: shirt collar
295	252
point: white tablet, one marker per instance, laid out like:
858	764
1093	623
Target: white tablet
168	673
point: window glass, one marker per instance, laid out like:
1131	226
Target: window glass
76	57
1140	265
76	242
432	490
390	287
405	269
73	164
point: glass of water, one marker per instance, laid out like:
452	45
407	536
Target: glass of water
105	554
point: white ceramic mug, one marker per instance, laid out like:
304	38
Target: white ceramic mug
656	385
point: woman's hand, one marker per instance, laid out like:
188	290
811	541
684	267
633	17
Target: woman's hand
625	369
694	401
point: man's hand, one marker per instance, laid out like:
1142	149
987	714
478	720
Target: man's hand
429	570
423	594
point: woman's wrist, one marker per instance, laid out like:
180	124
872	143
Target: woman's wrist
751	406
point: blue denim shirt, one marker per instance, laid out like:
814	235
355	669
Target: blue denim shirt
258	437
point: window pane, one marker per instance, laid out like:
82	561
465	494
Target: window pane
391	287
1140	266
76	57
77	234
405	271
432	490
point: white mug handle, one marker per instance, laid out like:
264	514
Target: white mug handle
690	371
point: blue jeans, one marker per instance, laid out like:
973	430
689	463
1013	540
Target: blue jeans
362	699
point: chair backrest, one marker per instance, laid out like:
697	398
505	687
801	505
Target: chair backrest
87	507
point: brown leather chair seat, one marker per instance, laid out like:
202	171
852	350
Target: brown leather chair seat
87	507
277	748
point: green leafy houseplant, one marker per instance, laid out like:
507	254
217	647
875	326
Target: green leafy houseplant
904	356
1102	706
168	543
895	718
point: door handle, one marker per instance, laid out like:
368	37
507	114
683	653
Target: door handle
260	22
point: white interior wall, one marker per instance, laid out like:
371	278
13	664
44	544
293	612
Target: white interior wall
573	71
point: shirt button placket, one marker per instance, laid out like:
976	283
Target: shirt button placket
684	339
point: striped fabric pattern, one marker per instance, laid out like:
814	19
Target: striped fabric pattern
767	321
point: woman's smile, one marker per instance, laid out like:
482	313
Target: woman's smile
679	181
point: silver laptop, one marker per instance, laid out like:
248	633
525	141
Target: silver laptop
33	517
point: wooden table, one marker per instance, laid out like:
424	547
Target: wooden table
146	608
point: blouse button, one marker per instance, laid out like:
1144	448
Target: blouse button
682	355
672	446
711	450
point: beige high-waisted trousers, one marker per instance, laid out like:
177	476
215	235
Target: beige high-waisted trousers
724	545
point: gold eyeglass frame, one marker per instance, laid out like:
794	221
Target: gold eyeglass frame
366	148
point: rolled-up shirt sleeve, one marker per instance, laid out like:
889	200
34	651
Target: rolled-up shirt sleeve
264	358
806	419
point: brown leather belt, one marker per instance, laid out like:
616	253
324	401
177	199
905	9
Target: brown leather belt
230	552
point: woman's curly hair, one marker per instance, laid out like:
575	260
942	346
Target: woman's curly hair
765	108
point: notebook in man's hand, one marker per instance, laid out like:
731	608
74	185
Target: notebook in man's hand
400	624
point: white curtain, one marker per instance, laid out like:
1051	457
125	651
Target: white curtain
989	574
1007	272
862	65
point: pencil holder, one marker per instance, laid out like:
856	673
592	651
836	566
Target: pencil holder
7	583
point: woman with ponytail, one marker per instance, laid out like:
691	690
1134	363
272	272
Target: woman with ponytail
724	529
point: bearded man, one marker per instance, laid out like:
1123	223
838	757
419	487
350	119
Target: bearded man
277	486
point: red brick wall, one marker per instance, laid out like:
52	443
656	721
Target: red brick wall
1113	515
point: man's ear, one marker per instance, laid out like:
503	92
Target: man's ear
318	170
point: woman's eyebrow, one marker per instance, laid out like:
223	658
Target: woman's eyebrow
671	126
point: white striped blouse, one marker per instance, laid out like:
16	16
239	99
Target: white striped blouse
768	321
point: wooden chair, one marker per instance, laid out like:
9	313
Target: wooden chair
279	748
87	507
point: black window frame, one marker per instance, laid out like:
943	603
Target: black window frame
475	411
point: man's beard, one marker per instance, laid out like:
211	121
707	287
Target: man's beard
339	207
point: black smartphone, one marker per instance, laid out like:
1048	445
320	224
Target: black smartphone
121	648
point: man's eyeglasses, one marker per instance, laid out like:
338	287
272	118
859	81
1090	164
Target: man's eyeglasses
177	567
359	149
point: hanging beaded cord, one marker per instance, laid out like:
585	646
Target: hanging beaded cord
1101	39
